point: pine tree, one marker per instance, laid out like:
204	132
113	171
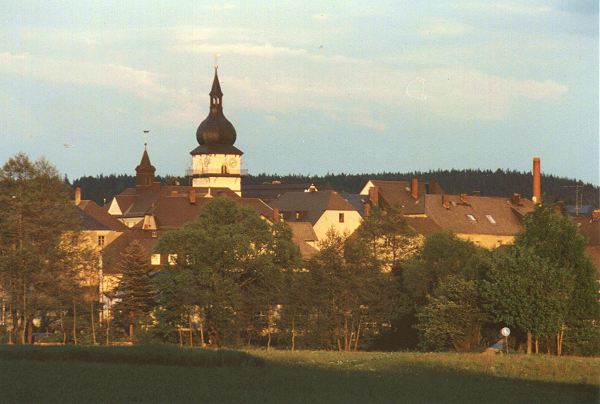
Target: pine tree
135	289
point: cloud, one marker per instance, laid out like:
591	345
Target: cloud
224	7
443	29
314	83
142	83
321	17
242	48
507	8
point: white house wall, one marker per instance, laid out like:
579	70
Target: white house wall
330	219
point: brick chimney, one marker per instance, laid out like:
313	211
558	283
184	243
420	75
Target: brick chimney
374	195
414	188
537	182
77	196
276	217
192	196
596	215
464	199
446	201
366	208
515	199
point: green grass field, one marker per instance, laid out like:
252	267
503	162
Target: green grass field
167	374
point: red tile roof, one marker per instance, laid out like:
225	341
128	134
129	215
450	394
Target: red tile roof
503	219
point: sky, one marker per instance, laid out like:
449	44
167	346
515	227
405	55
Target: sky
311	86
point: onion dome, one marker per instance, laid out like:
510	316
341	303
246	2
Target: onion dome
216	129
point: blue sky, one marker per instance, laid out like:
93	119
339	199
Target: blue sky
311	87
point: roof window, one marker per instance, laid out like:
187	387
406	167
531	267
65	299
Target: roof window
490	219
471	217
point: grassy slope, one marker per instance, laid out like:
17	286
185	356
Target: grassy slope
311	377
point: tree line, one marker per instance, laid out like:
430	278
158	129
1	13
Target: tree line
233	279
102	188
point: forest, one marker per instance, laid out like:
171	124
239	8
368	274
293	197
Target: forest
102	188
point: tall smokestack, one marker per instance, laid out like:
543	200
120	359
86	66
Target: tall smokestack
77	196
414	188
537	181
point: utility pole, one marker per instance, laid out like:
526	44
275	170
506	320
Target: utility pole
578	197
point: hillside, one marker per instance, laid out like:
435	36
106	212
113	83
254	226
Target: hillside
492	183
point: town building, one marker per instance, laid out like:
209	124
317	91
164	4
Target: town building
323	210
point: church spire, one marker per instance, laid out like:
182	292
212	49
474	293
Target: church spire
144	173
216	95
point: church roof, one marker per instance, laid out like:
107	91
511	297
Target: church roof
215	90
216	149
145	165
215	129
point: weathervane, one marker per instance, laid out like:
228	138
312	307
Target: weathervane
216	60
146	133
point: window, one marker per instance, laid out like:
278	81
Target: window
155	259
490	219
172	259
297	215
341	218
471	217
100	241
223	169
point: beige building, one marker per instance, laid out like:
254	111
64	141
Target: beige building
323	210
486	221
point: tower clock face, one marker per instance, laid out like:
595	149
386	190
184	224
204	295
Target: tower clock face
232	162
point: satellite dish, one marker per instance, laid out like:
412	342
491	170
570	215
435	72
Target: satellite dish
505	331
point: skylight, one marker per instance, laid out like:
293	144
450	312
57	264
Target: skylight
471	217
490	219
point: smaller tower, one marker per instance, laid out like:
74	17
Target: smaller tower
144	173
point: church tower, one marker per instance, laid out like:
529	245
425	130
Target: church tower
216	162
144	173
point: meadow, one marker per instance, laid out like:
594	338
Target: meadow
171	374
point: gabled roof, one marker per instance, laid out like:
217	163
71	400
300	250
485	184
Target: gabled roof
111	255
303	234
312	204
269	192
398	194
171	207
503	220
588	227
423	225
357	201
96	218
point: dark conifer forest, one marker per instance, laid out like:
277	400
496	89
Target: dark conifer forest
102	188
